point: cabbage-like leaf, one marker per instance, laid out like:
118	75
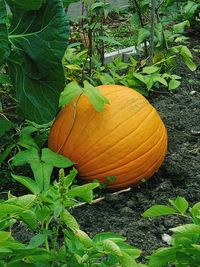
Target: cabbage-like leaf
4	44
39	40
26	5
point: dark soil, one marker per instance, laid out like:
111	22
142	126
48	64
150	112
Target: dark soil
178	176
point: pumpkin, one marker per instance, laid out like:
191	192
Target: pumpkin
127	141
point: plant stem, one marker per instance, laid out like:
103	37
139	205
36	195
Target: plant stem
102	46
158	19
153	9
142	24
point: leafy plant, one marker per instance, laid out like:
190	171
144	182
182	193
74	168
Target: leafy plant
56	237
184	248
33	40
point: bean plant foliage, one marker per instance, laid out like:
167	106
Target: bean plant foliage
33	39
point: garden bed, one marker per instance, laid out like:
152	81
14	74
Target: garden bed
178	176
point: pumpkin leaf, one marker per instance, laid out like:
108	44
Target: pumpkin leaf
71	90
158	210
4	44
97	99
38	45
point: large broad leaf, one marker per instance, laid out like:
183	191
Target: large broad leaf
4	44
26	5
39	40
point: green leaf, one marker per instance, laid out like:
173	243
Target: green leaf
150	69
180	27
162	257
149	82
130	250
6	153
158	210
126	260
84	238
143	35
106	79
4	79
190	8
160	80
54	159
195	211
140	77
42	174
69	220
5	125
85	192
27	182
187	58
187	229
26	156
38	45
25	201
179	204
68	180
4	236
4	44
108	235
42	171
37	241
29	218
97	99
71	91
42	214
173	84
111	247
6	209
26	5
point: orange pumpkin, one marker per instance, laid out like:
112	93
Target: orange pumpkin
128	140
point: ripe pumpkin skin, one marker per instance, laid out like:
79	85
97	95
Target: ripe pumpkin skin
128	140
